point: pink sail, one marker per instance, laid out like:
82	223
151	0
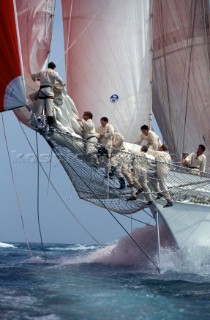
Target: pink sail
12	87
108	61
35	19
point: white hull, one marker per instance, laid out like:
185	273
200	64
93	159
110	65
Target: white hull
189	223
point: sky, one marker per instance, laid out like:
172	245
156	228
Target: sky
57	224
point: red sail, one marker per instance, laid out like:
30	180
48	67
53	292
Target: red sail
12	88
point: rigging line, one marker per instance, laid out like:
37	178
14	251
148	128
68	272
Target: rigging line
38	207
189	70
148	214
190	184
58	194
104	205
70	192
52	28
206	21
134	219
184	44
48	183
68	35
162	121
166	73
14	185
151	62
82	32
185	59
131	224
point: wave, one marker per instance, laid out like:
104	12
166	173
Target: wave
126	253
73	247
6	245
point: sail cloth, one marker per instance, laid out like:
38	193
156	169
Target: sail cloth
12	86
35	20
108	60
181	87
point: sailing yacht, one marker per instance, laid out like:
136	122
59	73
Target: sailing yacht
124	60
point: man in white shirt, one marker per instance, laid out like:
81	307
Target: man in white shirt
106	132
153	141
105	135
140	173
47	80
118	158
89	132
196	160
163	161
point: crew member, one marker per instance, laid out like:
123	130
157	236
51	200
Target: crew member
47	80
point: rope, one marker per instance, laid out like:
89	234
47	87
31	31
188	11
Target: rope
189	71
166	75
83	31
60	195
48	183
134	219
38	211
206	22
14	185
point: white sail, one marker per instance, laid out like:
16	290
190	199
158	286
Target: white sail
108	60
35	20
109	72
181	87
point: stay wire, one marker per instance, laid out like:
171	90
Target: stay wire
14	185
73	215
48	184
38	198
193	15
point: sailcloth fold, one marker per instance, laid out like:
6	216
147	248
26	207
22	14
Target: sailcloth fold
12	86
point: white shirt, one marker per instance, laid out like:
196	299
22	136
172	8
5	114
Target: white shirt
118	141
195	161
108	132
152	138
88	127
141	162
48	77
163	161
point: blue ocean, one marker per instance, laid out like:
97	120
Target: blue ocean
86	282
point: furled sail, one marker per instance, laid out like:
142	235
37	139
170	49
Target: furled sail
12	86
181	87
108	60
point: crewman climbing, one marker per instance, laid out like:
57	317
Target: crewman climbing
47	80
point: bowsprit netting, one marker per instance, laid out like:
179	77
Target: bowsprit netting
87	174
